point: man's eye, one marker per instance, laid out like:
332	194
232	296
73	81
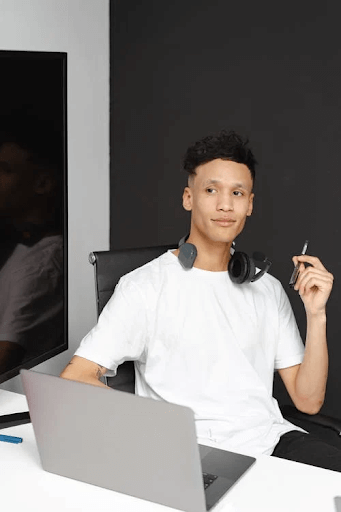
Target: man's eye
210	190
238	193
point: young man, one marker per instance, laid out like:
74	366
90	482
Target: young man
200	340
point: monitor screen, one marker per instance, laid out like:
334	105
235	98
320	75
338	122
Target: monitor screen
33	209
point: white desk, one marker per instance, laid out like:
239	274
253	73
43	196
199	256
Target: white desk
271	485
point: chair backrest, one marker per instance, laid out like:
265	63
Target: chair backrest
109	267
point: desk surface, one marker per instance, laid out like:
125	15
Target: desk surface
270	485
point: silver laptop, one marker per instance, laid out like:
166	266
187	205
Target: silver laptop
138	446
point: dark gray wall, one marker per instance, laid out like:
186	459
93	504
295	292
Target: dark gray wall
183	70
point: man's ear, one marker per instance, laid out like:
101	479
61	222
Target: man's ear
187	199
250	209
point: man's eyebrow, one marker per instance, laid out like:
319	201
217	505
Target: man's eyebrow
217	182
211	182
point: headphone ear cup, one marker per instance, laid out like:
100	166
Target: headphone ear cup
187	255
241	268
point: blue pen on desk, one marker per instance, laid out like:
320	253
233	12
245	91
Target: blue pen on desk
11	439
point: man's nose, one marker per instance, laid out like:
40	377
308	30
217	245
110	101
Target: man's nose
225	202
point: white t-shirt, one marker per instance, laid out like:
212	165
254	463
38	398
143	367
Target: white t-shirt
200	340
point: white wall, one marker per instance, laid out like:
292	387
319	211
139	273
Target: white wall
80	28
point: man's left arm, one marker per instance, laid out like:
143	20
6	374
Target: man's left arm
306	382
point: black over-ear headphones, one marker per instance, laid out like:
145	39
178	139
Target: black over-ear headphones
241	268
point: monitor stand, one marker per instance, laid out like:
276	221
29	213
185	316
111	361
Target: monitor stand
12	420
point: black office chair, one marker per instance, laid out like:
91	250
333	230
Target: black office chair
110	266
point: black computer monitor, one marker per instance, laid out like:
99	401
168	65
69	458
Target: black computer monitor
33	209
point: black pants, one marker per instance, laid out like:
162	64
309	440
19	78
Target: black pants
308	449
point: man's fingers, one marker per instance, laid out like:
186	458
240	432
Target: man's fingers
311	276
310	280
305	258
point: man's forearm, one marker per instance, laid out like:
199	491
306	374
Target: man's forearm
312	375
86	380
82	370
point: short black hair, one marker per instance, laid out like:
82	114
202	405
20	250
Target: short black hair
224	145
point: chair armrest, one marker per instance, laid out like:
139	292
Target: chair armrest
292	414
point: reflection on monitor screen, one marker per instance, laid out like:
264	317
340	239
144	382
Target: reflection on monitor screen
33	209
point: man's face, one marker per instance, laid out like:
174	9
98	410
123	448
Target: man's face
17	180
220	198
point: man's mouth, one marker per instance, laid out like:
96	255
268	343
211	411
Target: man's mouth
224	221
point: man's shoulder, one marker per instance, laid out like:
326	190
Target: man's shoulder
271	280
151	272
269	285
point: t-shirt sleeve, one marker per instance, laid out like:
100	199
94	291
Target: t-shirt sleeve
290	348
121	331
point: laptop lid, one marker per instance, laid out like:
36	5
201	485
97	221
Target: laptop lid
130	444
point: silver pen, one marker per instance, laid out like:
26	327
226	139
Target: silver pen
296	271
